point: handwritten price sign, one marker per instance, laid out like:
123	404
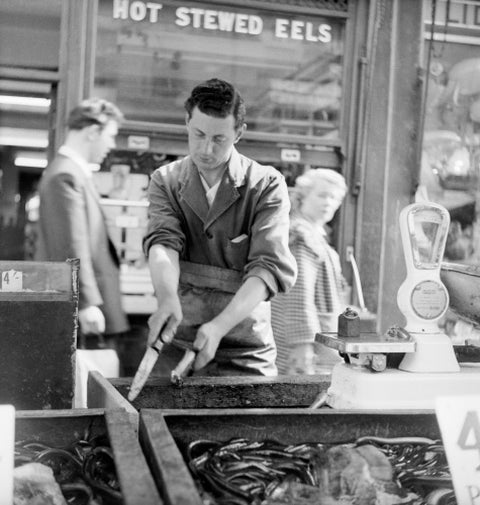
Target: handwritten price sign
12	280
459	421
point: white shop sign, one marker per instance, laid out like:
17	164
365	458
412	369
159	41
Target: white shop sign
225	21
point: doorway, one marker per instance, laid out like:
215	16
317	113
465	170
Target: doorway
26	119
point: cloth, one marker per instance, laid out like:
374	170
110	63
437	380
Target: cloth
76	158
248	348
245	229
72	225
319	296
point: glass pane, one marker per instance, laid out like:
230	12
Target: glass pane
288	67
30	33
451	144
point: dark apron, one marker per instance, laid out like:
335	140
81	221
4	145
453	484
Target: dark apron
248	348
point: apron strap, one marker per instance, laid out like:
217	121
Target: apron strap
210	277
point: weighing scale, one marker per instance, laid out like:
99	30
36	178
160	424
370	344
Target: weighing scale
428	366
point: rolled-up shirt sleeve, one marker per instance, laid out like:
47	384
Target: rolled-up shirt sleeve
164	225
269	255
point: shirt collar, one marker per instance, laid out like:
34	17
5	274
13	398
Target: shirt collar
209	192
76	158
235	169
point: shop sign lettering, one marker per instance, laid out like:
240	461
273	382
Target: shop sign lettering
136	11
465	14
225	21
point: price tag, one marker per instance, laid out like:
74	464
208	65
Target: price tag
7	444
290	155
459	421
138	142
12	280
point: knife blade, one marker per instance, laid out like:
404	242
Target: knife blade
145	368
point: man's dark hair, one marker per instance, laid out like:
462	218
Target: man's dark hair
93	111
217	98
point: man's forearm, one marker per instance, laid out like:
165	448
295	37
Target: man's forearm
164	270
251	293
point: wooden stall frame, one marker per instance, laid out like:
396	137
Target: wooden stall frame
138	486
208	392
164	435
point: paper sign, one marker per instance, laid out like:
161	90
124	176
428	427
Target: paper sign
290	155
459	421
138	142
12	280
7	445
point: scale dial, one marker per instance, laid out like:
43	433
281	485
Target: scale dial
429	300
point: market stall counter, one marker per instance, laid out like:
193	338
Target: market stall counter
208	392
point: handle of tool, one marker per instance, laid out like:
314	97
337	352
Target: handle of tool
158	345
185	363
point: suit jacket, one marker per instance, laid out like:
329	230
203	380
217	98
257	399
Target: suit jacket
72	225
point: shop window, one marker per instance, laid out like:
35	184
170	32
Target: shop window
450	166
288	65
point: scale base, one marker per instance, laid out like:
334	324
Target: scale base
358	388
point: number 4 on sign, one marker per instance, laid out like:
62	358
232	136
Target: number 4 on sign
459	421
12	280
469	438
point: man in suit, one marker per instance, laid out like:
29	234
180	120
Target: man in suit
72	223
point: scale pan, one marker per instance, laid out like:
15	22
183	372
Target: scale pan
463	286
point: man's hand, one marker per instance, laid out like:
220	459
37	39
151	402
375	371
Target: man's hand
165	272
169	313
92	320
206	343
251	293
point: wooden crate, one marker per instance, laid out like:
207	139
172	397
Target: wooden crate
62	427
38	313
208	392
165	435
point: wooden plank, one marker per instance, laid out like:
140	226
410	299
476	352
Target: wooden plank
137	483
42	276
102	394
167	464
166	434
58	427
62	427
294	426
225	392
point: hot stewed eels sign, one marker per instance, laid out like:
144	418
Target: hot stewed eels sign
248	24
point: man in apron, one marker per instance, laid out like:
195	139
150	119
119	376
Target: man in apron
217	244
